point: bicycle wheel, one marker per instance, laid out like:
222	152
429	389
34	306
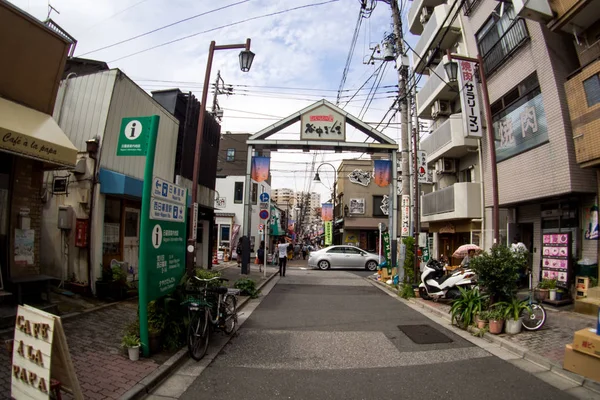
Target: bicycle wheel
230	306
198	334
534	320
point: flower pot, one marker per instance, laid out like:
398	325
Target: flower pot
513	326
154	342
553	294
559	295
541	294
417	293
496	326
481	323
134	353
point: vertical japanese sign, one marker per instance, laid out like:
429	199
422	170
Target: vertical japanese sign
260	168
387	252
405	206
382	172
469	99
328	225
323	123
422	171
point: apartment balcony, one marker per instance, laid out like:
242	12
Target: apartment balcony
572	15
459	201
415	26
435	89
584	110
435	34
448	140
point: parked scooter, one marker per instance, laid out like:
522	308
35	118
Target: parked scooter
435	285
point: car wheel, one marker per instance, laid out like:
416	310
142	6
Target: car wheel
323	265
371	266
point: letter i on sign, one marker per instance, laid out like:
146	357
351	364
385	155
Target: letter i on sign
133	130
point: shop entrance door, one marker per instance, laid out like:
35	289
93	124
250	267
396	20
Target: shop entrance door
131	238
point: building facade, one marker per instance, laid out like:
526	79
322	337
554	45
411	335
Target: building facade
32	142
542	189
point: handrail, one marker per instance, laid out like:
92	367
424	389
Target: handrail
491	67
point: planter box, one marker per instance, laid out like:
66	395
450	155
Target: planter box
78	288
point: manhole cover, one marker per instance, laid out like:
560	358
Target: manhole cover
424	334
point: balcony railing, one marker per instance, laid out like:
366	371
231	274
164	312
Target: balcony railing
459	201
469	6
509	42
440	201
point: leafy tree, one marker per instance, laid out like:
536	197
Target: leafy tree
498	272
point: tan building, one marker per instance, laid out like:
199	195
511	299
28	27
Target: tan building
542	188
361	206
32	141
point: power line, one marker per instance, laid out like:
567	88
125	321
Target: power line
164	27
114	15
350	53
224	26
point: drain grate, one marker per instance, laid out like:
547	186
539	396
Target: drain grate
424	334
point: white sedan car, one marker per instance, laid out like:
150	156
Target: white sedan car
343	257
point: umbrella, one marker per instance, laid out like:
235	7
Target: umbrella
463	250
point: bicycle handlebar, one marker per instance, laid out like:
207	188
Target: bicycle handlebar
212	279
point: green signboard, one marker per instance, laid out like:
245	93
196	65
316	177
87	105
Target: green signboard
387	252
165	258
133	137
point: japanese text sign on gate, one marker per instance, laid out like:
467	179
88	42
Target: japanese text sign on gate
323	123
469	99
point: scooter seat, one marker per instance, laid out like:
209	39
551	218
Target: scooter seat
442	279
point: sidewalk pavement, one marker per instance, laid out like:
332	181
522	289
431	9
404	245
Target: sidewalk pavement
103	369
546	346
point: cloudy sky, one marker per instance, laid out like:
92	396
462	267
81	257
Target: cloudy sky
300	59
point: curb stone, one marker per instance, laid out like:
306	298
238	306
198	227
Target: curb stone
519	351
146	385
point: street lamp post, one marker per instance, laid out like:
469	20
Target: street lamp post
451	68
246	58
318	179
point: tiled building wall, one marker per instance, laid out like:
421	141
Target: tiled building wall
28	176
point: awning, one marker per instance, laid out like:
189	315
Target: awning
30	133
366	223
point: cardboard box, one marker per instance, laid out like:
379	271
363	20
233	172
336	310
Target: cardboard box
581	363
586	341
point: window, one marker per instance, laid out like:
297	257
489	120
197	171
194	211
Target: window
500	36
230	155
238	193
225	230
336	250
592	90
254	193
352	250
377	209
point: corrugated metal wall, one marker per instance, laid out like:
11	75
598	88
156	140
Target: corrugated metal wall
82	112
129	100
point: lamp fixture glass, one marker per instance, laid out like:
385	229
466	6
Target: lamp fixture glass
451	68
246	58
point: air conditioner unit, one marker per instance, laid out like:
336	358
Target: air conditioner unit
440	108
425	15
446	166
535	10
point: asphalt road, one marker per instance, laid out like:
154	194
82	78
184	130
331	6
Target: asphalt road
332	335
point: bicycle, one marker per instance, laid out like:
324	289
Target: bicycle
201	310
534	317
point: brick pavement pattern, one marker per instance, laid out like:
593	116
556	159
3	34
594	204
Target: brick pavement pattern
548	342
103	369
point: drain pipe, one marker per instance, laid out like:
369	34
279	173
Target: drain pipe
92	148
482	195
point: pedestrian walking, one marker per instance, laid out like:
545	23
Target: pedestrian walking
283	248
238	253
260	256
304	251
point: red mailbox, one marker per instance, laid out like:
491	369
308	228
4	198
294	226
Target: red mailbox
81	232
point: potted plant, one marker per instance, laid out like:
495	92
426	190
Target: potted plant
118	287
512	313
132	343
551	286
482	319
496	320
560	293
466	306
542	290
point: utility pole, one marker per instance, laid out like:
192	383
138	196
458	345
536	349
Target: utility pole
402	101
417	192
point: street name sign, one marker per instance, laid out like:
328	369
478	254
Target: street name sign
161	189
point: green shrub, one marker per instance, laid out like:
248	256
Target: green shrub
247	287
407	291
118	275
498	272
466	306
130	341
547	284
513	308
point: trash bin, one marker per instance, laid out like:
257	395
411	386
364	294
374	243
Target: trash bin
587	267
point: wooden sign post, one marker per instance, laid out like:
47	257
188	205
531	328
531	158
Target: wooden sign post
40	353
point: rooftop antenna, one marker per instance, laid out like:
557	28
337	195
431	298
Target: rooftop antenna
50	9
